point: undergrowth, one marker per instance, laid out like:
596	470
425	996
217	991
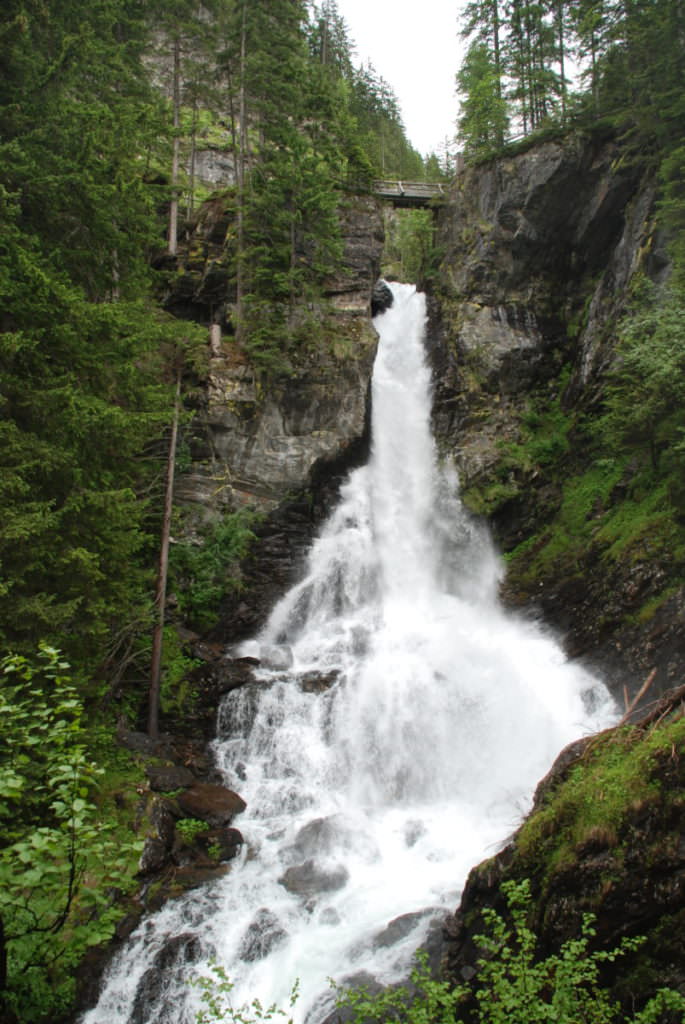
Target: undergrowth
619	775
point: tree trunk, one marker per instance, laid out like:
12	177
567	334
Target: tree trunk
242	156
193	152
562	57
173	208
498	63
160	595
3	963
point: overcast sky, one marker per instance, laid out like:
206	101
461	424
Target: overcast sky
415	47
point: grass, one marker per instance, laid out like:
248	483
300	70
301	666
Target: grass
619	777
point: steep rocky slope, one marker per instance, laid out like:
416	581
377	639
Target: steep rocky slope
275	446
255	442
539	253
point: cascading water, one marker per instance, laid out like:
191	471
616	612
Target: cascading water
398	747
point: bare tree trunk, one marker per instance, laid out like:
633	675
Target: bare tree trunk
242	156
562	58
193	153
160	595
3	963
173	209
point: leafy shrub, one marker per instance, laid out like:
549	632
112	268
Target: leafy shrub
204	573
513	985
218	1005
58	859
191	828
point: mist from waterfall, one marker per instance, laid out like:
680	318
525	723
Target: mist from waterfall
397	744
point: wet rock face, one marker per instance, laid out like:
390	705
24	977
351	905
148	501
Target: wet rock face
253	445
527	239
263	934
175	958
548	214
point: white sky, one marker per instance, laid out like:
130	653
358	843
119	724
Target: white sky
415	46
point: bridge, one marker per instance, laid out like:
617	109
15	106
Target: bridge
404	194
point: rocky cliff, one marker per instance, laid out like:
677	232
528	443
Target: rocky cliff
275	446
254	444
539	253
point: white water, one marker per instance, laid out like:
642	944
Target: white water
441	714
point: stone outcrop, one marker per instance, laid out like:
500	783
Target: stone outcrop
280	446
539	250
627	870
254	445
211	803
539	253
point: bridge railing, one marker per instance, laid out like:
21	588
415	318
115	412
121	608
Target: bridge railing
418	189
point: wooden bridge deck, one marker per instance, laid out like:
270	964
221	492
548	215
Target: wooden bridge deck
408	193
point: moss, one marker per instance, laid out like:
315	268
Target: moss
191	828
618	780
650	607
487	499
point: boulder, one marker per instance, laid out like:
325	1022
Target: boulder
226	841
166	778
309	879
316	838
214	804
381	299
263	934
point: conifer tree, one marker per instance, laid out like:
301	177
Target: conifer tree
483	121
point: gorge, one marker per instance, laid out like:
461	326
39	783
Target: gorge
223	553
397	722
503	332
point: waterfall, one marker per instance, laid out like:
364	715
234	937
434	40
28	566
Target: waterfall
393	742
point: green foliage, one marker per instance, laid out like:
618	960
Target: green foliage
543	444
514	985
376	111
82	350
191	828
646	394
77	112
618	773
427	1002
483	121
205	571
83	399
218	1005
176	690
409	250
58	859
620	480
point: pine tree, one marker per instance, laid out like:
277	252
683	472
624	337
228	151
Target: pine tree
483	121
80	349
482	23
